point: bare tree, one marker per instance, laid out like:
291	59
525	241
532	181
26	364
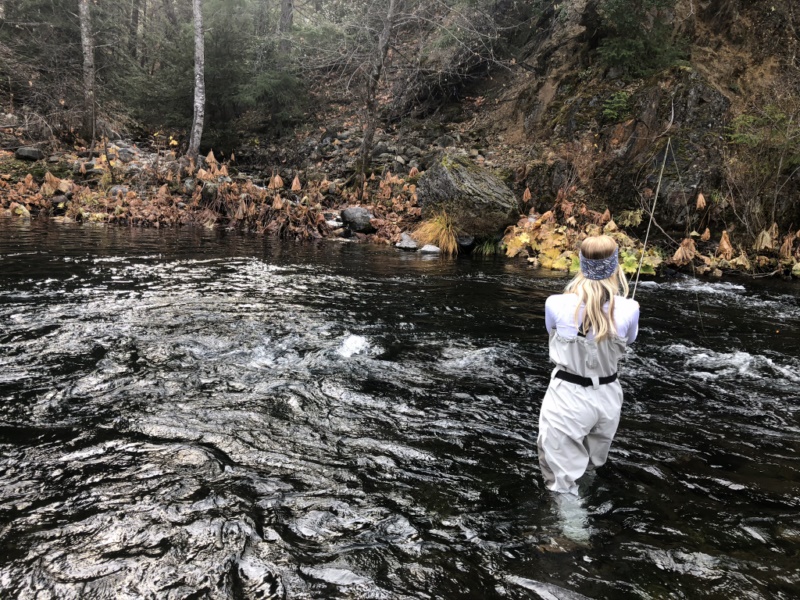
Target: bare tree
87	44
199	81
285	25
373	80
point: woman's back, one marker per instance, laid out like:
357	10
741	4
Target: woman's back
583	355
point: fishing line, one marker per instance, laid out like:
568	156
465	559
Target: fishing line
652	215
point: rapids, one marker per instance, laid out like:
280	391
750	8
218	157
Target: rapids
207	415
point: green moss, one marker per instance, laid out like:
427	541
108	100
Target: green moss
19	169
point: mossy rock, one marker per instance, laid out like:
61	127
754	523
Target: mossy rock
476	200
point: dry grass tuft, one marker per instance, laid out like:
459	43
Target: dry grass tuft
439	231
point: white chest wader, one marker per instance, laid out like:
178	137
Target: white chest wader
579	417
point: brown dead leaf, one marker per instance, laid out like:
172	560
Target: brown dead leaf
786	248
685	253
701	202
763	241
526	195
606	217
296	185
211	159
706	235
275	183
277	202
725	249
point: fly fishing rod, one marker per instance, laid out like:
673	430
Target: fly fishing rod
652	215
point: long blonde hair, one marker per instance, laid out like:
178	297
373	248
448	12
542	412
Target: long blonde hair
593	294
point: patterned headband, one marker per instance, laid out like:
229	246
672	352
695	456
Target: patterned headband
601	268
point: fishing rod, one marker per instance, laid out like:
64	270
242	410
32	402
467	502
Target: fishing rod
652	215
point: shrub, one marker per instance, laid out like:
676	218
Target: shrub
439	231
637	37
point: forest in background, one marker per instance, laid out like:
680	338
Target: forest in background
571	103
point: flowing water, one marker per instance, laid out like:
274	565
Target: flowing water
202	415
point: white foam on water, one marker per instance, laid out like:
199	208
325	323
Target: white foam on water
353	344
707	364
695	285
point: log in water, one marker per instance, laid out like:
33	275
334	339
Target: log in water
196	415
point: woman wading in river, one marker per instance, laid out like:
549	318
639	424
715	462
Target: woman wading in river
590	325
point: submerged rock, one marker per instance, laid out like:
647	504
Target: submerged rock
407	243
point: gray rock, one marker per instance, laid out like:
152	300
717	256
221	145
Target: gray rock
117	190
126	155
209	193
407	243
465	241
28	153
430	249
400	159
189	185
357	219
478	202
445	141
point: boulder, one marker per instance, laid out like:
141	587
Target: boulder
478	202
209	193
357	219
430	249
28	153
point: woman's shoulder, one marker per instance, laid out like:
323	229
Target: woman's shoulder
566	298
627	306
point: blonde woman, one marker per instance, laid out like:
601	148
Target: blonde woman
590	325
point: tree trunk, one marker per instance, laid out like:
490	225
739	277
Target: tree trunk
285	25
133	29
169	9
373	81
199	81
143	20
87	44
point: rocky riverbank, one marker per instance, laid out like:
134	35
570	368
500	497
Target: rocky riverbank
123	184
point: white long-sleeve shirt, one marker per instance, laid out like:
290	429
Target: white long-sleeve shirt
559	315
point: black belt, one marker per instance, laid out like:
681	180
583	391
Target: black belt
584	381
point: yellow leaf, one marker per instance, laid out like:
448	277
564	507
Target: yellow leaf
741	261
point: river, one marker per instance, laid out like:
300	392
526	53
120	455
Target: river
199	414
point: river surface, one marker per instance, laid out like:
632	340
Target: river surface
206	415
